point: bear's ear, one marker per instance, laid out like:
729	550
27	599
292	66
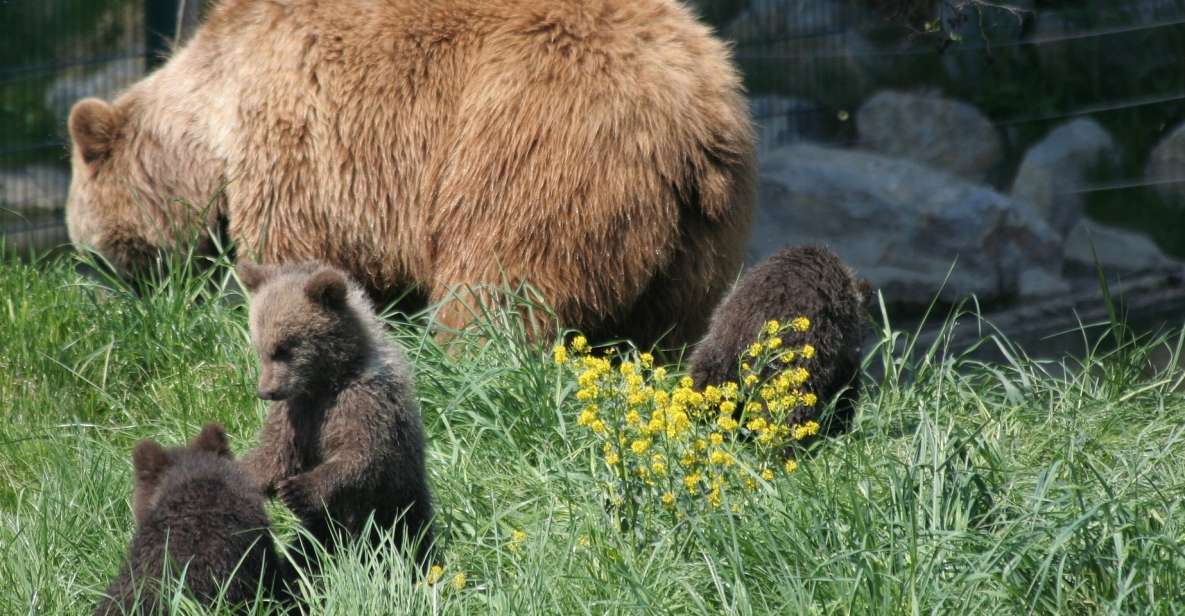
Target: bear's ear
327	287
253	275
212	439
149	460
93	126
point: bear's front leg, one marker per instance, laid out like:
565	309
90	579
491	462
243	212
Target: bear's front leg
274	458
310	494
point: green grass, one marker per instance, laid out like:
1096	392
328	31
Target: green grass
964	487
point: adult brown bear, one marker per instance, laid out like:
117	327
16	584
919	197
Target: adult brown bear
599	149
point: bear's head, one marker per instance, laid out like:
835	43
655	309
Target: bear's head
152	464
309	326
139	186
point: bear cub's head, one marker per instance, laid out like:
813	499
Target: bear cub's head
153	464
308	325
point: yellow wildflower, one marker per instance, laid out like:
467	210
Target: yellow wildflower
804	430
627	368
728	407
647	360
727	424
583	541
658	464
516	539
713	394
755	349
773	343
714	497
755	424
716	457
632	418
587	393
639	446
559	355
772	327
691	482
809	399
787	357
801	324
750	381
459	581
730	390
587	416
434	574
597	426
716	438
580	344
767	475
660	373
686	382
791	466
611	458
668	499
808	351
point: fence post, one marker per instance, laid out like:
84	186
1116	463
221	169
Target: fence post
160	25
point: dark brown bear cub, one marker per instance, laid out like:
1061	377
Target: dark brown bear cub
343	439
808	281
199	515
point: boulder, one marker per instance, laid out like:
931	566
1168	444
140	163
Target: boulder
105	82
782	120
902	225
35	187
1054	171
1119	251
1166	166
930	129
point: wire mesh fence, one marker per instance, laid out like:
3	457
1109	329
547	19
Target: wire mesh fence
809	65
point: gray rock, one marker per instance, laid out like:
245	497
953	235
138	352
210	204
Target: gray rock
900	224
106	82
1055	170
810	48
1166	166
35	187
1119	251
783	20
930	129
781	120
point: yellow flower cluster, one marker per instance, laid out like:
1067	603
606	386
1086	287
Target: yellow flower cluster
436	572
667	446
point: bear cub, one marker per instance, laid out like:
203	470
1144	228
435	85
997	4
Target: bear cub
343	438
808	281
196	512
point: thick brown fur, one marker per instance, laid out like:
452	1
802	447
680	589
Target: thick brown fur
600	150
198	513
343	437
808	281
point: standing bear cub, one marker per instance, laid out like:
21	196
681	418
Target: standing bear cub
198	515
343	438
808	281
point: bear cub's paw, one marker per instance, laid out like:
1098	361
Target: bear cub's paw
297	493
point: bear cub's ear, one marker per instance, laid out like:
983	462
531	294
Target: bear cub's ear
253	275
212	439
93	126
149	460
327	287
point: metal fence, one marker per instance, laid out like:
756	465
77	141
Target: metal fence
808	64
53	53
